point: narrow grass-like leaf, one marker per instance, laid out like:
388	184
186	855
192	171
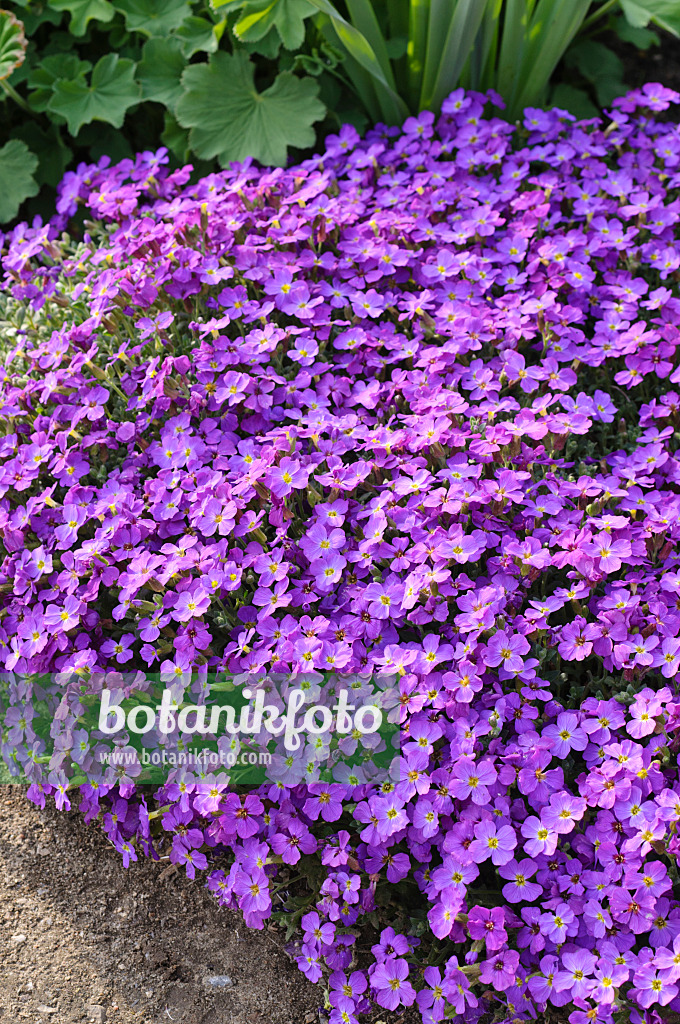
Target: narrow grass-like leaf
393	108
459	28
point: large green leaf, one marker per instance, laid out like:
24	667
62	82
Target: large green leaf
664	13
153	17
288	16
17	165
84	11
111	92
43	78
12	44
160	70
230	120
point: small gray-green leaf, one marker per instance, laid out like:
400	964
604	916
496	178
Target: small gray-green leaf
153	17
230	120
160	70
17	165
111	92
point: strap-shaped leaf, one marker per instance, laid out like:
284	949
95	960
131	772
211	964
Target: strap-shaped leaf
392	106
17	165
452	30
549	31
12	44
229	119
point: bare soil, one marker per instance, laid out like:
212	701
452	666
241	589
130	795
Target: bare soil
83	939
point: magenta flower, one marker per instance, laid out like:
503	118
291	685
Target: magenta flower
500	970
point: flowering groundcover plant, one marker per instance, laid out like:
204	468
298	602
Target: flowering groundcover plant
407	408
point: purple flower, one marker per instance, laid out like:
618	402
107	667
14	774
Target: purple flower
389	981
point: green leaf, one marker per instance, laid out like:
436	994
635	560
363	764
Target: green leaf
42	79
52	153
34	17
576	101
641	38
17	165
545	37
196	34
160	70
452	31
288	16
392	106
83	12
230	120
153	17
601	67
664	13
112	91
12	44
176	138
267	47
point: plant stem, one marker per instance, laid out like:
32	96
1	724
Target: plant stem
14	95
596	15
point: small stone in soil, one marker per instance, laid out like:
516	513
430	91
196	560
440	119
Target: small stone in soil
96	1013
217	980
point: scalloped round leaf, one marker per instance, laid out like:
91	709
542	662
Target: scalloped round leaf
153	17
83	12
288	16
664	13
160	70
42	78
12	44
230	120
196	34
17	166
111	92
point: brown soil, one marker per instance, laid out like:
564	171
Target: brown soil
102	943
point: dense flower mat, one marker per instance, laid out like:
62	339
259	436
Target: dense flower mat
406	408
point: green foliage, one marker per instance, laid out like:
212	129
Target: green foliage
12	44
107	96
160	71
153	17
17	166
664	13
229	119
222	80
83	12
